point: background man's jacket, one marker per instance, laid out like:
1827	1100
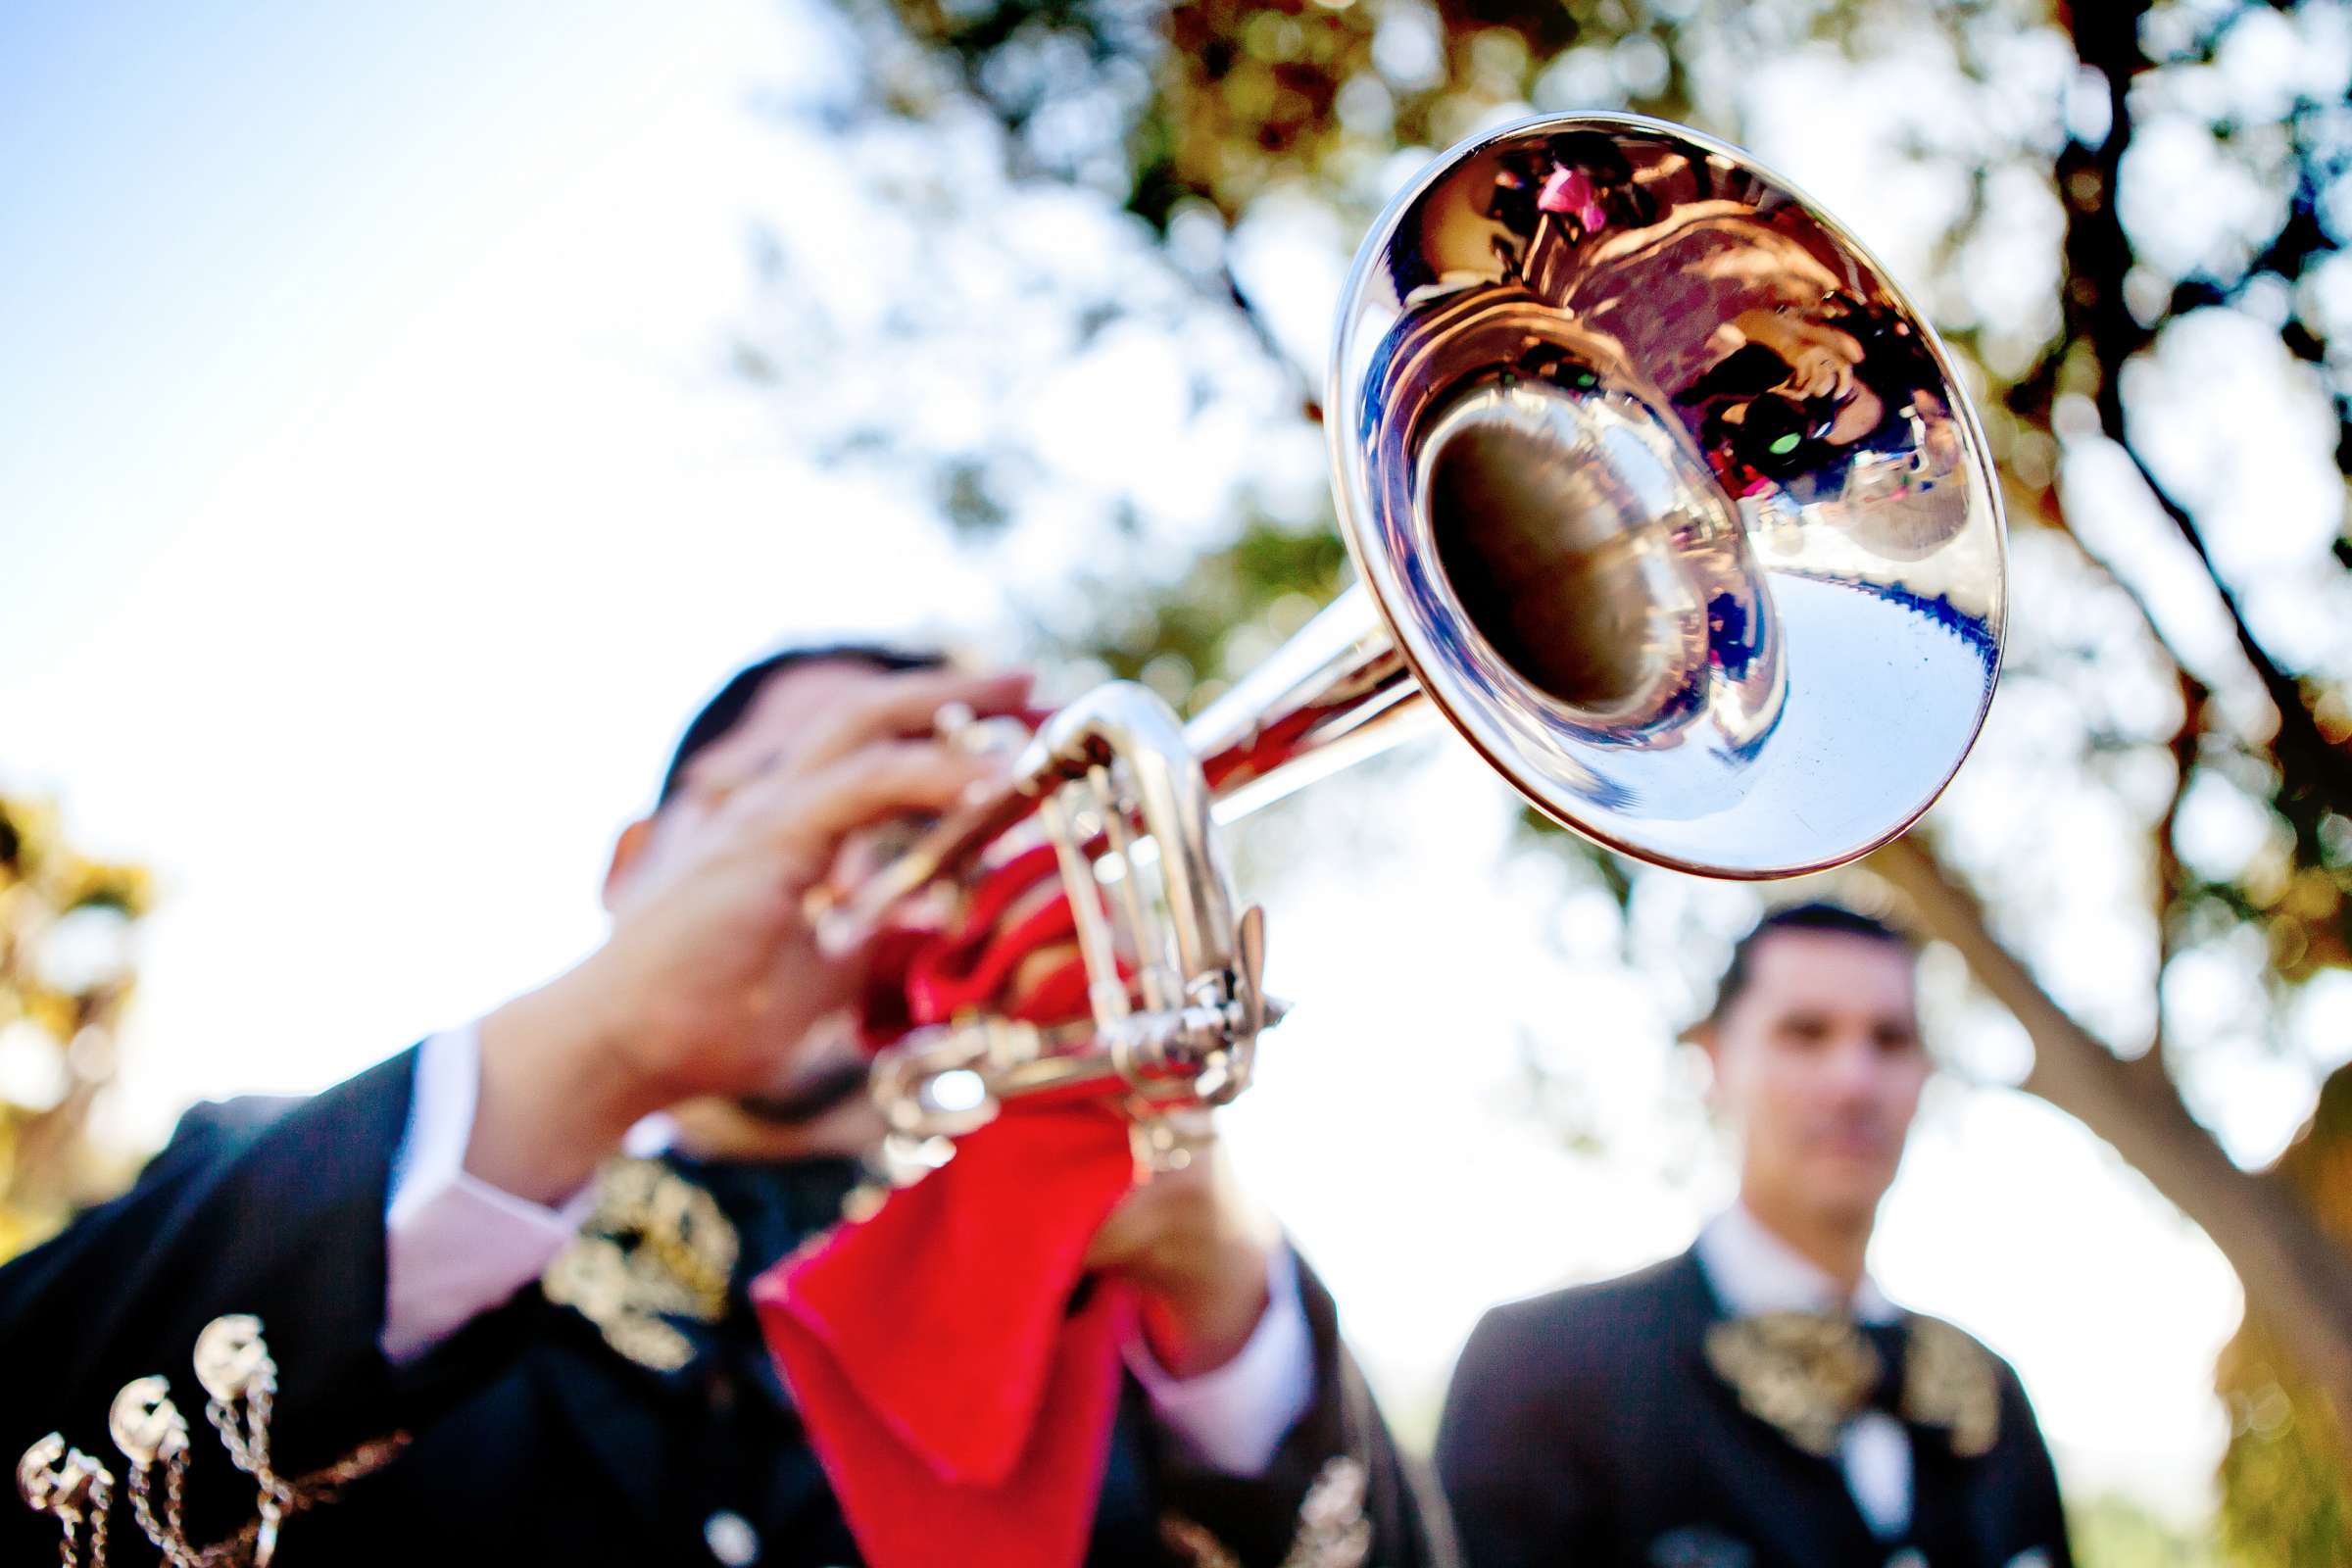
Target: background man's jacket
1589	1428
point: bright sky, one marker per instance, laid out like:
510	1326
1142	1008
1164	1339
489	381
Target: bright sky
375	505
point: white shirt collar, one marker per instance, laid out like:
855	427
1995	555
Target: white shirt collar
1753	1271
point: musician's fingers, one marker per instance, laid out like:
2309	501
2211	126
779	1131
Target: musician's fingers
904	705
793	740
1131	1227
723	770
805	815
1182	1199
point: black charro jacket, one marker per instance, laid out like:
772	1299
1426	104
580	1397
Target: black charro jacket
1587	1428
532	1438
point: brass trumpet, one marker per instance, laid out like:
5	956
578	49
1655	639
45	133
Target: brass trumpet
1661	494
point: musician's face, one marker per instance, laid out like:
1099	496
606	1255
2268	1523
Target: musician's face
1819	1067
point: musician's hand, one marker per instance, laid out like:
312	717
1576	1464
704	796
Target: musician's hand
710	977
1200	1252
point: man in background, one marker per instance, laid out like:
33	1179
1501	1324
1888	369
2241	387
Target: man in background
528	1242
1756	1401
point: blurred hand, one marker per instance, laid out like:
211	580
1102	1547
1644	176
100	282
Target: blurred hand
1198	1250
711	977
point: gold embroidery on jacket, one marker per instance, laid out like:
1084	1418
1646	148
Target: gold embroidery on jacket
1949	1382
1334	1531
1809	1374
654	1245
1192	1545
240	1378
1805	1373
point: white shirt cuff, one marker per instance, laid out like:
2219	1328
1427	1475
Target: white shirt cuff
1234	1417
456	1247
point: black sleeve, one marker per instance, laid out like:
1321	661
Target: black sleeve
1523	1489
1257	1518
2028	1490
284	1219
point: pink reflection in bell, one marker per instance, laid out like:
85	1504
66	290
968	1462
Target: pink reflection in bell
1570	192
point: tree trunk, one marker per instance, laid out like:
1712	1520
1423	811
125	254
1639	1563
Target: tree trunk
2296	1278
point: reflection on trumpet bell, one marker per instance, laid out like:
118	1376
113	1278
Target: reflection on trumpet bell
1585	546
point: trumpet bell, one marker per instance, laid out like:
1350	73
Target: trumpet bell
1671	501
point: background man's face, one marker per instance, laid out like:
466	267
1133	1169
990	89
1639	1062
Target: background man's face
1819	1067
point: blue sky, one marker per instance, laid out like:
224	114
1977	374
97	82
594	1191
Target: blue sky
209	197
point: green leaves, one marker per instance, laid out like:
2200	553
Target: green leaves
64	977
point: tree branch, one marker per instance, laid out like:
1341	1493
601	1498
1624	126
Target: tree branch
2099	256
2289	1266
2312	759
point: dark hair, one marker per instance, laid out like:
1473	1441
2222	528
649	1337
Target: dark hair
727	708
1835	919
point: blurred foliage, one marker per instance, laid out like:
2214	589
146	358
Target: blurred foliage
2129	223
66	925
1230	608
2115	1533
1227	100
2286	1489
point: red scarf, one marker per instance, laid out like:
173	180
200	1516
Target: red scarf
960	1405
